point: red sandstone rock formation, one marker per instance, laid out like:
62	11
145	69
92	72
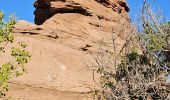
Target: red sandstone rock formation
93	8
61	46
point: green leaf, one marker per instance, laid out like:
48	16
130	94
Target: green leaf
10	37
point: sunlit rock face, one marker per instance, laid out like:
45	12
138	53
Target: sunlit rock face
62	43
94	8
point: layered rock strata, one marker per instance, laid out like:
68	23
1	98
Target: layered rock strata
62	43
47	8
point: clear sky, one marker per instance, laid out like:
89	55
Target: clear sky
135	7
24	8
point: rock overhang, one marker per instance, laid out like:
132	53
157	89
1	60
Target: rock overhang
44	9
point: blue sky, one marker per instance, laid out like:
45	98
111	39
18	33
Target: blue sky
24	8
135	6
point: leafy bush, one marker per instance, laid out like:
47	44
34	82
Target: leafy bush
11	68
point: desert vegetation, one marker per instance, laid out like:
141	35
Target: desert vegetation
139	71
15	66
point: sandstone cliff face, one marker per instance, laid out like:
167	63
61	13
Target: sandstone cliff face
61	43
102	9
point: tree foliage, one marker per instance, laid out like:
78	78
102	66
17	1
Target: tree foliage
11	68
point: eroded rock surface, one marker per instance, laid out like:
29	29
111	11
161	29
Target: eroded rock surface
61	43
103	9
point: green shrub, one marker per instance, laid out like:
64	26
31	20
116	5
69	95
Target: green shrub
11	68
